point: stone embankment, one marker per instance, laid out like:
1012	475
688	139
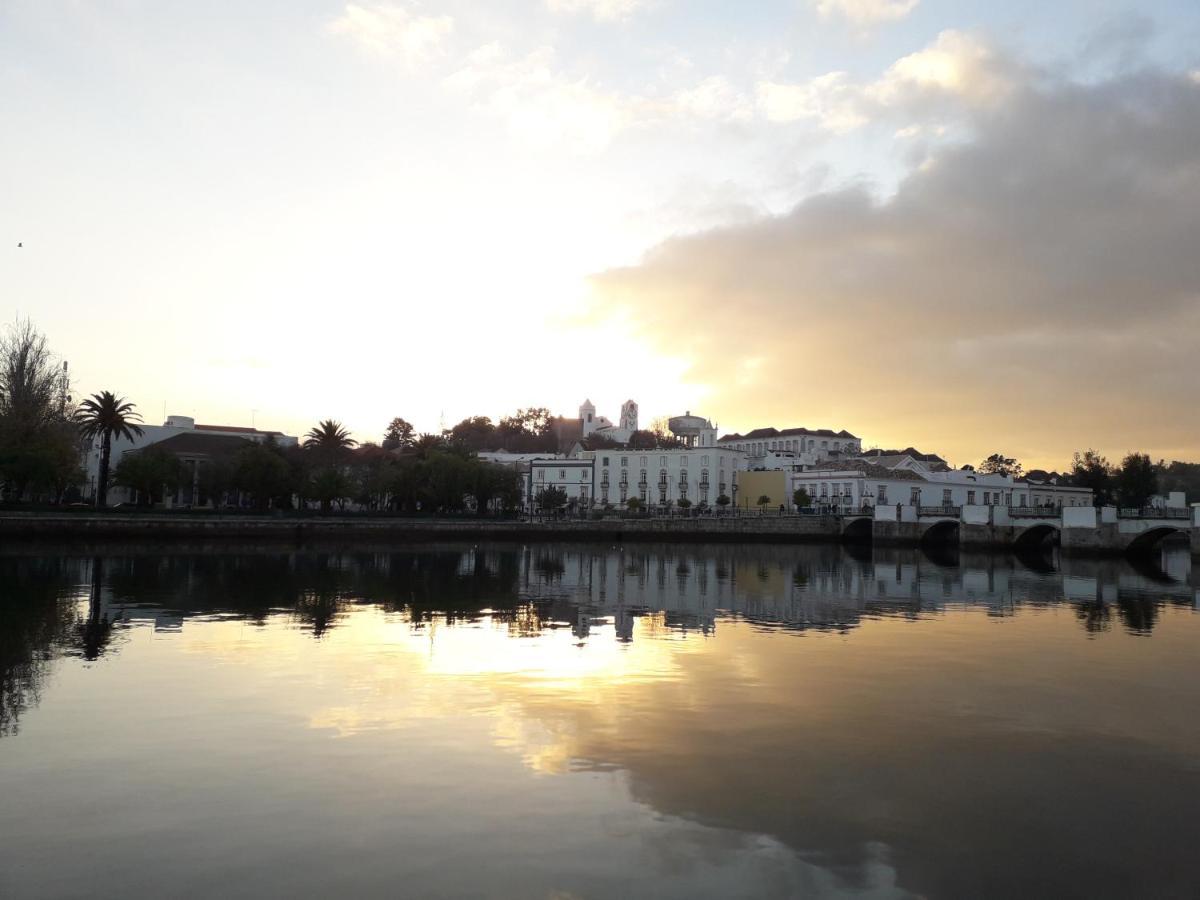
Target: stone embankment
1096	533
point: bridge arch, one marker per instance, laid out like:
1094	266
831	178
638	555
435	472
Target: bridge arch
860	528
1150	538
943	531
1037	535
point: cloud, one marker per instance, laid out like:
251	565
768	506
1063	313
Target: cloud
1037	284
865	13
390	30
600	10
543	107
956	72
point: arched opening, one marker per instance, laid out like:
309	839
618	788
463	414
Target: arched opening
859	530
943	532
1038	537
1148	541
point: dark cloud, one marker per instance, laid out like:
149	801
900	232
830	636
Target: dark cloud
1037	285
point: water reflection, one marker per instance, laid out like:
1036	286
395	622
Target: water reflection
726	720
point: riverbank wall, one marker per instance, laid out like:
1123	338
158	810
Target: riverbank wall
1104	540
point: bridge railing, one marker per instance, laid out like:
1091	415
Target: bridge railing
1035	512
950	512
1153	512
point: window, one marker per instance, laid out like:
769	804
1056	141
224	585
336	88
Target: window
987	498
824	445
604	461
945	496
824	489
704	460
914	496
662	460
624	461
881	493
1020	499
970	498
541	474
562	474
643	462
847	489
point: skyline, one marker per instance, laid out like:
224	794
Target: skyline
859	214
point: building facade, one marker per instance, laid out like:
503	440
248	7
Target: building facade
657	478
810	446
857	484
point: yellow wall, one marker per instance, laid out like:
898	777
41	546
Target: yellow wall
752	485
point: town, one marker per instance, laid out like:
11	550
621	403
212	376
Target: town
539	465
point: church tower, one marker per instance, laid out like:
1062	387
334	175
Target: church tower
629	416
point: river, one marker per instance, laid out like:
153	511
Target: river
571	721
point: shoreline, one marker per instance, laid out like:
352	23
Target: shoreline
27	526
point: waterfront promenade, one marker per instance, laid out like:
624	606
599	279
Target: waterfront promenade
1083	531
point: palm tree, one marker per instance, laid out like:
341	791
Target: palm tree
102	416
329	435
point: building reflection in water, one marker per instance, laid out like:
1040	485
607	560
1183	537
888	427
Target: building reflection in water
79	606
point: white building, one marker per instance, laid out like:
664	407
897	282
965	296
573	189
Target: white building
576	478
152	434
810	446
599	478
857	484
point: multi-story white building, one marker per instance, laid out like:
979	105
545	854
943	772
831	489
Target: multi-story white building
599	478
575	477
810	446
698	475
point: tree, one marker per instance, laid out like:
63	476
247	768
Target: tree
1091	470
148	472
763	501
102	416
1180	476
634	504
643	440
723	501
400	435
474	433
527	431
599	442
30	381
329	436
1136	481
552	499
684	503
329	485
801	498
427	444
262	472
664	439
999	464
38	448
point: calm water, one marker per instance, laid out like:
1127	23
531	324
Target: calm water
568	721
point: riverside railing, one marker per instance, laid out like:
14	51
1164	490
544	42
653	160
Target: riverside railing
949	512
1154	512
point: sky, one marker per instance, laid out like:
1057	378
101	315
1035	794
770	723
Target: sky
970	227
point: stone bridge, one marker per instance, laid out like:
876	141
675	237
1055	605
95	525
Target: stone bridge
1078	529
